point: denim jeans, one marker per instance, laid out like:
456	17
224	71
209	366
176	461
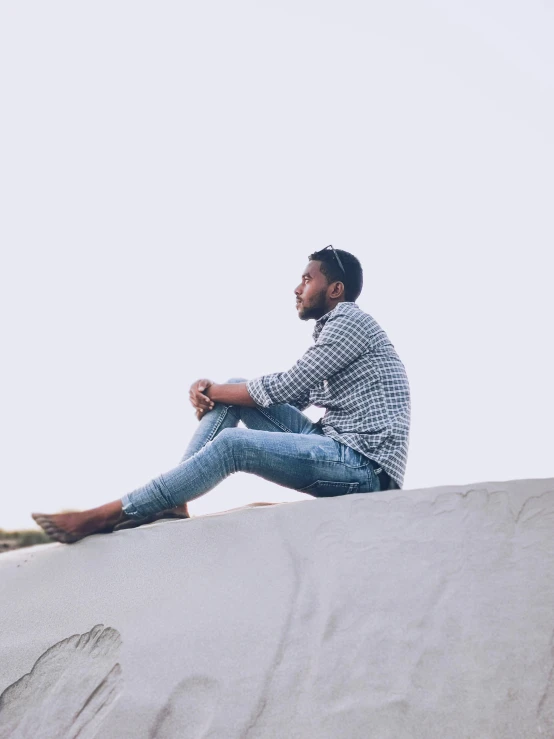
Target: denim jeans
279	443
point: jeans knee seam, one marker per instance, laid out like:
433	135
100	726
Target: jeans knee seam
275	421
217	426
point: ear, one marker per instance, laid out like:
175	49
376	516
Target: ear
337	291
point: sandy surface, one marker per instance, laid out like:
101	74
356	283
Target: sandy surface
403	614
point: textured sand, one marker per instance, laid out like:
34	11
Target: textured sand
405	614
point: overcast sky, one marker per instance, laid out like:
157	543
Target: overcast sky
167	167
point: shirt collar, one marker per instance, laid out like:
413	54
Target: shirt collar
339	308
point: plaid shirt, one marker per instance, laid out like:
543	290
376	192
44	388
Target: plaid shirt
354	372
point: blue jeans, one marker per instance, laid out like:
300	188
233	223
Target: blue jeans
279	443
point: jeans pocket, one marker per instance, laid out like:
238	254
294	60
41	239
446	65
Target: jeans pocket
352	458
327	488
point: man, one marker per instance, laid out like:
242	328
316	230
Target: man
360	445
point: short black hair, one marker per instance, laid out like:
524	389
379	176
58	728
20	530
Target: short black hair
352	277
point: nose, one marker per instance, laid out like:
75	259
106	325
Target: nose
298	290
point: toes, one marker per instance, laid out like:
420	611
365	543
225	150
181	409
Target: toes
53	531
46	524
43	521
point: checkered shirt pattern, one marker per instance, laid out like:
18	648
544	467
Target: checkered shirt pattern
353	371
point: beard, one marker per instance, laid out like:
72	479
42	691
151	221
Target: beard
316	309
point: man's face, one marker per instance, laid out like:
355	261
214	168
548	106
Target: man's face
311	294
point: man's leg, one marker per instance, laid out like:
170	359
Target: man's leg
301	458
281	418
219	418
70	527
311	463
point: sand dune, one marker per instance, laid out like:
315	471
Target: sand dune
397	615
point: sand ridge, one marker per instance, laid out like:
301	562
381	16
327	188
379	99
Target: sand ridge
391	615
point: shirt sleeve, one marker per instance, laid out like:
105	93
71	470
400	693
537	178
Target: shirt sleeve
341	341
302	402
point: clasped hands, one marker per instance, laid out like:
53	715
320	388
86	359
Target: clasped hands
200	401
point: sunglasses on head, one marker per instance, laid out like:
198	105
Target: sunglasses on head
337	257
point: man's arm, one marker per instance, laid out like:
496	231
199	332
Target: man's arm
342	340
204	393
232	394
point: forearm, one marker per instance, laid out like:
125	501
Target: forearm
230	394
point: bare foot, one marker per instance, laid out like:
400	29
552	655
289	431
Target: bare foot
71	527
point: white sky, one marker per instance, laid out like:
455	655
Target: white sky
167	167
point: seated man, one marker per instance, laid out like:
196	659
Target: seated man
360	445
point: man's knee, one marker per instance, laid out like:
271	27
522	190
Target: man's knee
232	436
234	380
231	443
